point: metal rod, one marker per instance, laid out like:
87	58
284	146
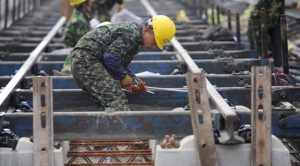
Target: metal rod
151	88
264	40
6	14
238	28
14	11
250	35
24	9
229	19
284	43
1	27
218	15
206	14
213	14
30	61
19	9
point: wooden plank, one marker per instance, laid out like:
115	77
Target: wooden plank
43	121
261	116
203	132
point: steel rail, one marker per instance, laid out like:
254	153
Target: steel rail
227	113
9	88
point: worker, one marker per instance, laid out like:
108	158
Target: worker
274	8
101	58
102	8
78	25
79	22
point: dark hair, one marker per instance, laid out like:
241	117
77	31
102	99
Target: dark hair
81	6
148	23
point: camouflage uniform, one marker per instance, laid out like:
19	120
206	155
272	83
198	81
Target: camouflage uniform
274	8
77	26
101	8
92	73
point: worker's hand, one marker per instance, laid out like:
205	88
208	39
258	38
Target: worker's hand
136	86
139	85
126	81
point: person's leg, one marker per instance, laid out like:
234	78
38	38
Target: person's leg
93	78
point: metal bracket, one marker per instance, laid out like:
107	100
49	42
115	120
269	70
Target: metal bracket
261	116
203	132
43	121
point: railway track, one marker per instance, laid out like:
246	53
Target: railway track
227	65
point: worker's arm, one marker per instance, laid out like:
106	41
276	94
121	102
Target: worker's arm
113	63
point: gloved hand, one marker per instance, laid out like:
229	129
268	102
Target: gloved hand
139	85
94	23
136	85
126	81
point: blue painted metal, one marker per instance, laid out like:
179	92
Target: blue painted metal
284	123
164	67
101	125
63	99
159	55
136	124
208	45
167	81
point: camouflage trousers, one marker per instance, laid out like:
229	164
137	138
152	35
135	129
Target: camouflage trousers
93	78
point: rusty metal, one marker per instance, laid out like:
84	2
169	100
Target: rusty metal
261	139
170	142
113	164
43	122
203	132
118	152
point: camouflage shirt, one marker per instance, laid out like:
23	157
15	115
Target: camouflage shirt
274	8
123	40
77	26
101	8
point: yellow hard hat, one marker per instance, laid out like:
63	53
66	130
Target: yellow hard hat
164	30
76	2
181	16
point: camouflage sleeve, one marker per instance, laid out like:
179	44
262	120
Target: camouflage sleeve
121	46
74	32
